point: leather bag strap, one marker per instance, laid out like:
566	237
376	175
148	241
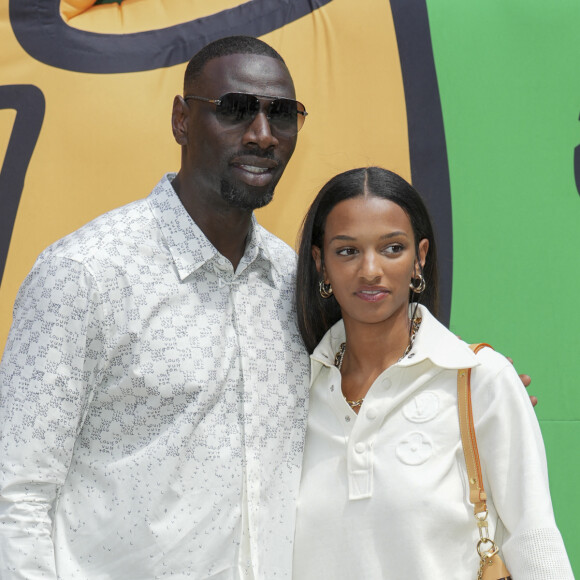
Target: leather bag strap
477	494
491	566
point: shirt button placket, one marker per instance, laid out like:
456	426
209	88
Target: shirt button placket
224	272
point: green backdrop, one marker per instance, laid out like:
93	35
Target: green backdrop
509	84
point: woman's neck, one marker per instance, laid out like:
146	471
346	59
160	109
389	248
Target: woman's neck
370	349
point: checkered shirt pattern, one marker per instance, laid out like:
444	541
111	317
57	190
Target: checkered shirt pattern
152	405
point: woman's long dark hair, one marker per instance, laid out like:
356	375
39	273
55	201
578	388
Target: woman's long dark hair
316	314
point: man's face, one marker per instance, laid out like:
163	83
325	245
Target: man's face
241	162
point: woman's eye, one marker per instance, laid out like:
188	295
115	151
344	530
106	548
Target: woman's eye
346	251
394	248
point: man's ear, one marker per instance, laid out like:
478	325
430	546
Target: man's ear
317	257
180	120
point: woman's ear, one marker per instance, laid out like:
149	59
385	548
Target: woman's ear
422	251
317	257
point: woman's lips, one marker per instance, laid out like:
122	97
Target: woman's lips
372	294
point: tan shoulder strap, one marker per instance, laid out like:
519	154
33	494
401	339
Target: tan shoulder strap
477	494
491	565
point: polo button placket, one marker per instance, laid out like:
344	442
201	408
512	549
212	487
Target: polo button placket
371	414
360	471
360	456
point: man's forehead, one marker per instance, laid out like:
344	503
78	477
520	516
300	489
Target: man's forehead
248	73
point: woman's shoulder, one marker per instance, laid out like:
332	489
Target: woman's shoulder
495	379
492	362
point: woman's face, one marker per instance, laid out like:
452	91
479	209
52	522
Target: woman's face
369	258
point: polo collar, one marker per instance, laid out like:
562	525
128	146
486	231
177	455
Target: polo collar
438	344
433	342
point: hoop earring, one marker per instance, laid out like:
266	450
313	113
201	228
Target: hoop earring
420	287
325	289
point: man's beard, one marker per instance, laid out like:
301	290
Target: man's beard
243	198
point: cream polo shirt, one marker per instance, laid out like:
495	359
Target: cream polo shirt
384	493
152	405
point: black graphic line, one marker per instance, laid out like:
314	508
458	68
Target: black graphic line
427	146
28	101
42	33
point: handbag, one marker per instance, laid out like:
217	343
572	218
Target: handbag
491	566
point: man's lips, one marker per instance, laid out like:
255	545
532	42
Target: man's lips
255	164
255	171
372	293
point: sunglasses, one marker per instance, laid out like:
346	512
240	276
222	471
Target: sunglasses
286	116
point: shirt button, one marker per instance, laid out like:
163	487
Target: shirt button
387	383
347	418
332	388
371	414
360	447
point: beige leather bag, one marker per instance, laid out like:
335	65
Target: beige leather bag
491	566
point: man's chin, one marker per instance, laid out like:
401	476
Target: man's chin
246	198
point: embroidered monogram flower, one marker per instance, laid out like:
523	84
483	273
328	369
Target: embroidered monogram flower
415	449
423	407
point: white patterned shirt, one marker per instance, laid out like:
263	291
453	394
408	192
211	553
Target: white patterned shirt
152	405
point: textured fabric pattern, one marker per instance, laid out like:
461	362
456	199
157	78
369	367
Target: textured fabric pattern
395	500
531	553
153	405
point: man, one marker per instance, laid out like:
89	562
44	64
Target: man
154	384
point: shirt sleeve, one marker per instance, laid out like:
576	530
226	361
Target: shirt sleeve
513	462
46	377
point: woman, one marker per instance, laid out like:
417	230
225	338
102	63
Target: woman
384	492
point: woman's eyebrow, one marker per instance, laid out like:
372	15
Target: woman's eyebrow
345	238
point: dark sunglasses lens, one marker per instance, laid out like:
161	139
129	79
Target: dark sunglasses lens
283	114
237	107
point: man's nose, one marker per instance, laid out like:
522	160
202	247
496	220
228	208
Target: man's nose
259	131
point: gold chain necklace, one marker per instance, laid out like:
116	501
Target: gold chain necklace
416	322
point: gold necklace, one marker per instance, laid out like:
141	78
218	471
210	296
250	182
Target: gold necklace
415	324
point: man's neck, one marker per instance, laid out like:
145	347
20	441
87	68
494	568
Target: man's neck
227	228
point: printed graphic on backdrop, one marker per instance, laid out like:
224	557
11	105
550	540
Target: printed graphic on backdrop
78	59
28	102
36	24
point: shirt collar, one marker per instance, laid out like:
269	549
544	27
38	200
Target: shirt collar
188	245
433	341
438	344
257	246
